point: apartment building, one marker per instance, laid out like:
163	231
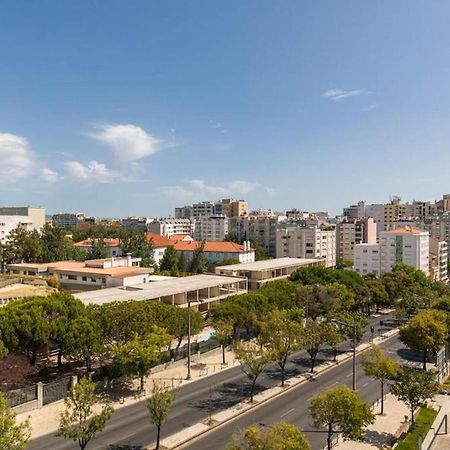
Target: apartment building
367	259
212	228
136	222
407	245
307	242
68	220
184	212
169	226
259	226
351	232
35	215
10	223
438	260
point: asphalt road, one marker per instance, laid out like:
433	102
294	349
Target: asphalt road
130	426
293	406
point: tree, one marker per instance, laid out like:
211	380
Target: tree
12	436
376	364
282	336
169	261
78	422
182	264
138	356
137	244
98	249
280	436
427	332
414	389
254	359
334	338
199	263
56	245
340	410
223	333
315	335
377	292
84	340
158	406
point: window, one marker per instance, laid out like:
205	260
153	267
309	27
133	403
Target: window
84	278
94	280
72	277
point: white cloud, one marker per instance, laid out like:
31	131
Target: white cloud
198	189
128	142
48	175
93	171
16	159
338	94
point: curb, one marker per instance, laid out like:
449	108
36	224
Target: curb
251	407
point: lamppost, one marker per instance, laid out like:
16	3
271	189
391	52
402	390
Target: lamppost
353	327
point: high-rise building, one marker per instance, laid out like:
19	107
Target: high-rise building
306	242
212	228
169	226
68	220
351	232
438	260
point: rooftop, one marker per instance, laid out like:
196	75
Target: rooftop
149	291
157	240
407	230
269	264
211	246
88	243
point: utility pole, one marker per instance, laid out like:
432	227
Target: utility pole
353	327
189	342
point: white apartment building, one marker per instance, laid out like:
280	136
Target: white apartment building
213	228
306	242
438	260
35	215
404	245
351	232
9	223
170	226
367	259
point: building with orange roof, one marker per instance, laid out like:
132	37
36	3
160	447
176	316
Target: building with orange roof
113	246
217	251
90	274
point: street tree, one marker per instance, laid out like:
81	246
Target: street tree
414	389
340	410
223	334
158	406
136	357
280	436
379	366
282	336
177	324
253	358
426	332
314	336
78	421
198	263
334	338
12	435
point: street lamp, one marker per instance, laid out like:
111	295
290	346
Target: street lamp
353	327
188	377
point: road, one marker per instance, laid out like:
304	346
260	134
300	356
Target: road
130	426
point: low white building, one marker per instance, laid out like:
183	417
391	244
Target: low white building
113	246
217	251
367	259
91	274
213	228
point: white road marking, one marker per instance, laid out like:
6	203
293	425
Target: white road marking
286	413
366	384
349	375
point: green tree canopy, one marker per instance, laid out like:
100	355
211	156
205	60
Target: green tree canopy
12	436
169	261
79	422
340	410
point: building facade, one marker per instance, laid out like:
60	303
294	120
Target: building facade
68	220
367	259
10	223
35	215
438	260
170	226
351	232
213	228
307	242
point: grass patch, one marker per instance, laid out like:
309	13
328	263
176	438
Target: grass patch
421	426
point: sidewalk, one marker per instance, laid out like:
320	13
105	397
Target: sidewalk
384	430
46	420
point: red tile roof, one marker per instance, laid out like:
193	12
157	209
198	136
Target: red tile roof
157	240
88	243
178	237
210	246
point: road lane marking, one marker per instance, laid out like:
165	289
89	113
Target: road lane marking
349	375
366	384
286	413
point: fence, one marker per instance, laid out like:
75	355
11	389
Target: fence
55	391
441	419
21	396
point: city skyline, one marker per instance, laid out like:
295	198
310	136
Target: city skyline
117	111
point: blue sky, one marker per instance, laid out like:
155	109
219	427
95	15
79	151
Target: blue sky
117	108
